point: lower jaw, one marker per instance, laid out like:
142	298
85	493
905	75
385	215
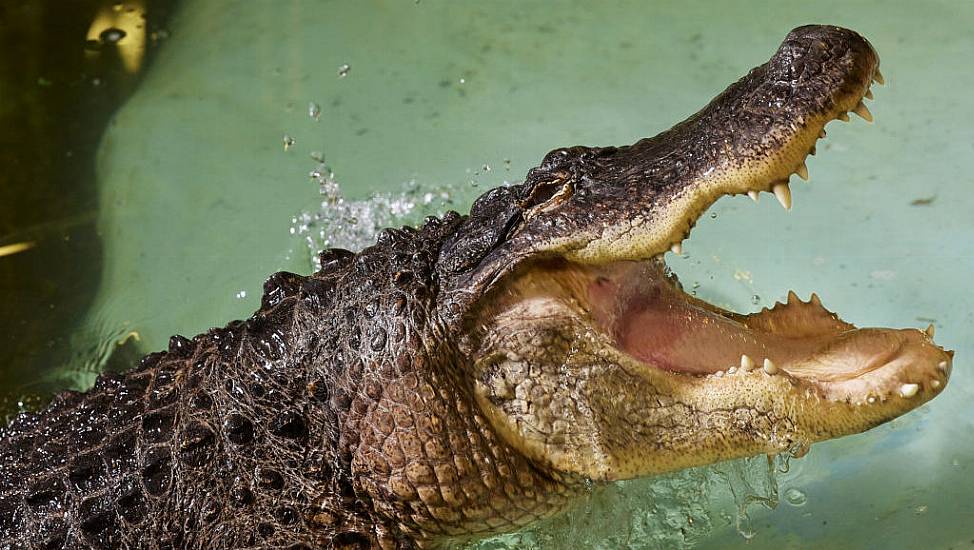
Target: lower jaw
656	323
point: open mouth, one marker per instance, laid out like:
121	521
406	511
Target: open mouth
591	358
648	317
630	300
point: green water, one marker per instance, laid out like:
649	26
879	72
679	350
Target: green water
197	197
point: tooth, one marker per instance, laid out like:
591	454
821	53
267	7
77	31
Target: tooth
754	195
783	193
792	297
930	330
747	364
863	111
878	77
821	134
935	383
802	171
769	367
869	94
814	300
844	117
677	248
812	151
909	390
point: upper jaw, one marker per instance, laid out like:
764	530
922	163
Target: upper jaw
750	139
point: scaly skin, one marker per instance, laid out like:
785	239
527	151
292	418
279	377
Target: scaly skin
470	376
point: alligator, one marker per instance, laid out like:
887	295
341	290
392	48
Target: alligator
478	373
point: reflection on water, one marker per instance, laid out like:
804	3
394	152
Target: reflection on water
64	69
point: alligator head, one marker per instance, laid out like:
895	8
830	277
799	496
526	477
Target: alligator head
589	358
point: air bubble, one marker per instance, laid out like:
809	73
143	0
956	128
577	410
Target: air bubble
755	299
795	497
343	70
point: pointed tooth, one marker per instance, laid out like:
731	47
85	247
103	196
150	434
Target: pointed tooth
844	117
878	77
863	111
822	134
950	353
677	248
909	390
783	193
792	297
747	364
802	171
930	330
869	94
815	300
812	151
754	195
769	367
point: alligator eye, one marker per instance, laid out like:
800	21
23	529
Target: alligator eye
548	194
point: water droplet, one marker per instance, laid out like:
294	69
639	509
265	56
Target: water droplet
795	497
755	299
343	70
288	142
314	110
111	35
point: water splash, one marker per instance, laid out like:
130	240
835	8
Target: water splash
353	224
678	510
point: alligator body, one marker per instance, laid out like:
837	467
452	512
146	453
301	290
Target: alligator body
472	375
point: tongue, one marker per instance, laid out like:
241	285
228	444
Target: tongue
655	322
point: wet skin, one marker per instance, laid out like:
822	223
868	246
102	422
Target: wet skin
473	375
